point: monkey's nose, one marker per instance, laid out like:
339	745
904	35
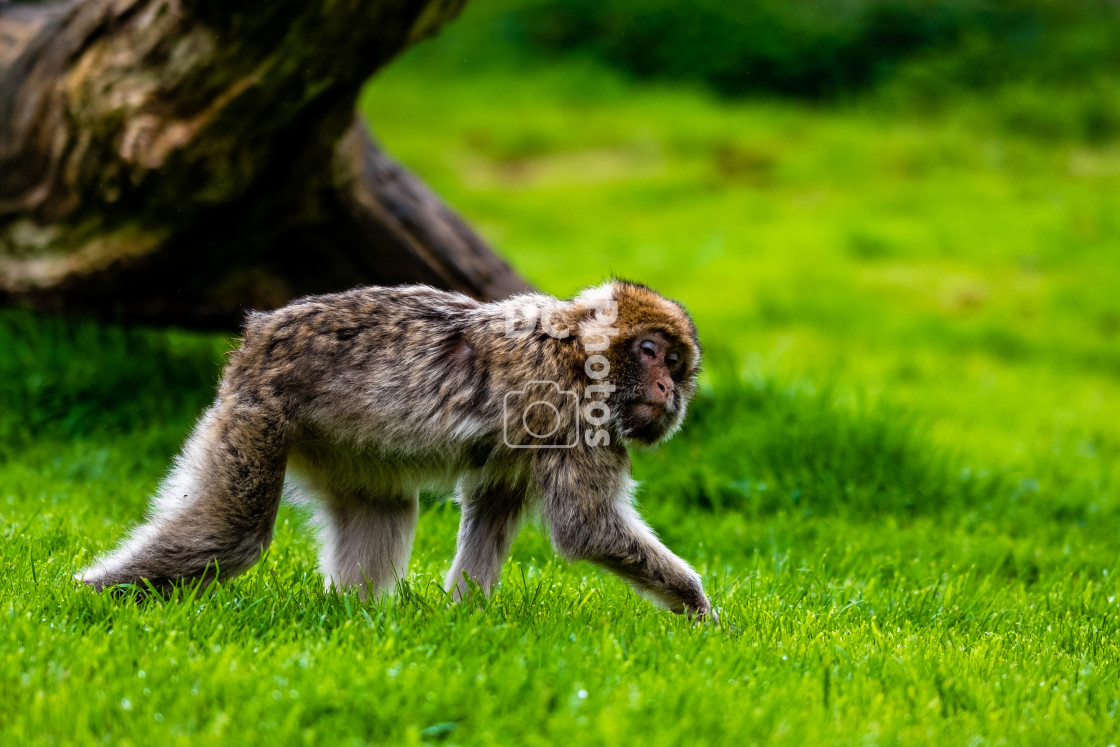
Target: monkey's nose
662	392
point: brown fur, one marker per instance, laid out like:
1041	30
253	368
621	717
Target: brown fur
365	397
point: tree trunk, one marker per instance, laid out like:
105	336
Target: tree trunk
184	160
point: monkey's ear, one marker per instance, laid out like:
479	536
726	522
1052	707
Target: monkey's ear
600	296
597	310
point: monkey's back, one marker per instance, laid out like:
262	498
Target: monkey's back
397	374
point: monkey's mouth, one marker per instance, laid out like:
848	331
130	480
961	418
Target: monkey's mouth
651	415
647	422
656	410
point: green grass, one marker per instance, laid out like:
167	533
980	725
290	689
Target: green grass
899	480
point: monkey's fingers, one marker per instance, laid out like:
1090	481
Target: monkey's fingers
704	613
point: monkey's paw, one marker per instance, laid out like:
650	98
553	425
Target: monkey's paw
704	612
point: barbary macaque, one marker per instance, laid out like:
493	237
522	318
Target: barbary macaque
363	398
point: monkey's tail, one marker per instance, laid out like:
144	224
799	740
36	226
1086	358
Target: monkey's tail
214	513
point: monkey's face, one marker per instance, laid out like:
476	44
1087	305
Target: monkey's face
657	374
653	354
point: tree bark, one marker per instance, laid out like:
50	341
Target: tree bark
183	160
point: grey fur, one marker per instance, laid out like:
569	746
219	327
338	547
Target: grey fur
365	397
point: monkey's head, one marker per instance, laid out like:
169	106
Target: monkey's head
654	356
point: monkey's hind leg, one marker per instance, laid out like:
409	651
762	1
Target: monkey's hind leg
214	513
491	515
367	540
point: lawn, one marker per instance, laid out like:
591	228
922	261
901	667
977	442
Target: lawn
900	480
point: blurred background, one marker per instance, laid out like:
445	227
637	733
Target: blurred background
897	226
916	195
895	222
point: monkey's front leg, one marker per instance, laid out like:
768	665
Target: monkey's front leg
490	520
614	537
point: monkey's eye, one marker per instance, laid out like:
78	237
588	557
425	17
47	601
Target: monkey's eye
673	359
649	348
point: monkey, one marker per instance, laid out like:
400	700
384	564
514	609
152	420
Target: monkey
360	399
